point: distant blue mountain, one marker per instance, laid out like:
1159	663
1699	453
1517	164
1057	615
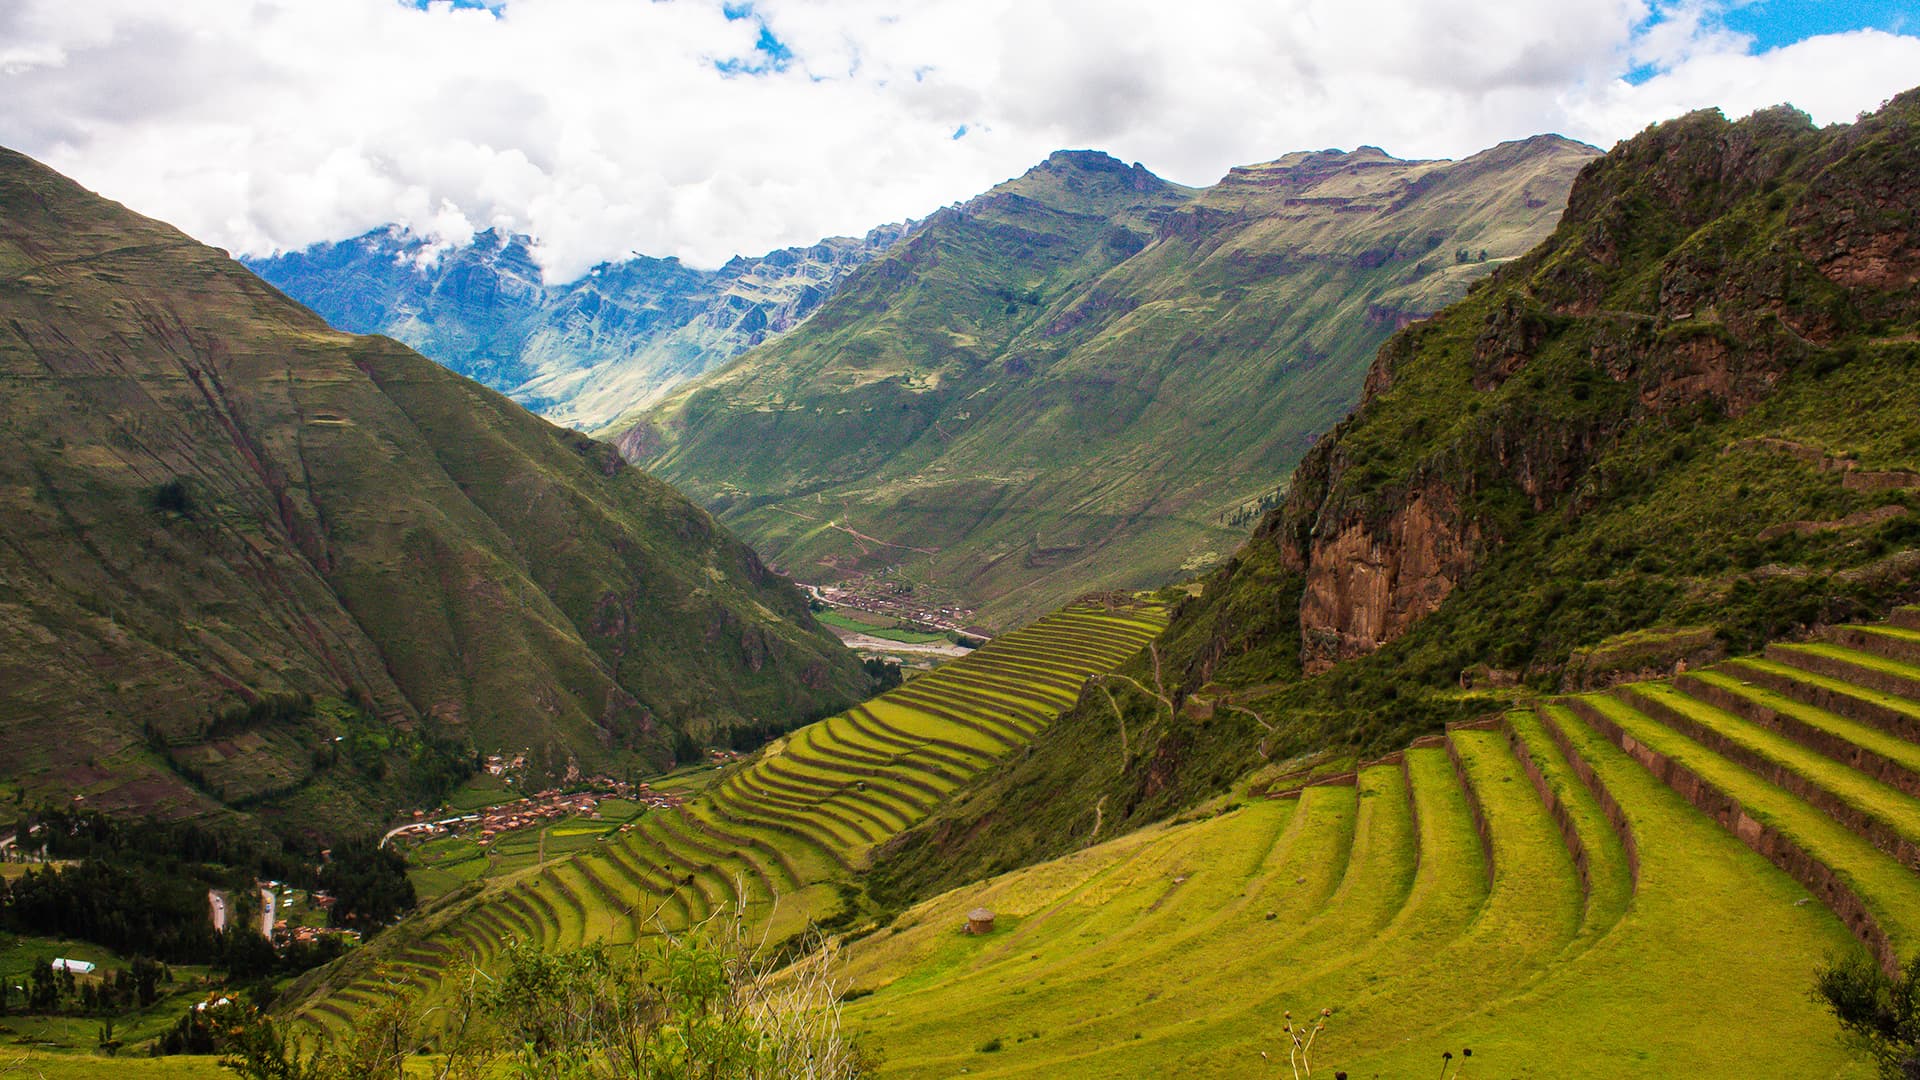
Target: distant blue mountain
582	353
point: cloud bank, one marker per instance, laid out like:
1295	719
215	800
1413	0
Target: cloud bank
703	128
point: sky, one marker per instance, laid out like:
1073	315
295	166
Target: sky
705	128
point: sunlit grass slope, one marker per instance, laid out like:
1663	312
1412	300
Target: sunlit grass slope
779	837
1638	882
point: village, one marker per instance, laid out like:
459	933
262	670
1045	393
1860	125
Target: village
896	600
582	799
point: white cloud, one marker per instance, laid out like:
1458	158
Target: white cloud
607	126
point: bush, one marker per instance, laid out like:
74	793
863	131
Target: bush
1880	1011
703	1005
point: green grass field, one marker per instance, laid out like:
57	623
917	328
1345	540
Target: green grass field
887	632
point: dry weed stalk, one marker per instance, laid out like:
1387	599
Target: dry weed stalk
1300	1050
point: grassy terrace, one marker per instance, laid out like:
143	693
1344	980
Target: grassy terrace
772	837
1535	887
1535	890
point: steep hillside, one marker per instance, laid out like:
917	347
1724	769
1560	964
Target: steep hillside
1681	427
248	560
580	353
1088	377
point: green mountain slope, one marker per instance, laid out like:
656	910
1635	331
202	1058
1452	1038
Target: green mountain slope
1088	377
250	560
1679	428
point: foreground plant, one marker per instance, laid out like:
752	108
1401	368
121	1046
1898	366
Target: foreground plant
1880	1011
1300	1043
702	1005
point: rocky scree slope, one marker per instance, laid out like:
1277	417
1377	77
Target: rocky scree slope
581	353
1681	427
247	560
1088	377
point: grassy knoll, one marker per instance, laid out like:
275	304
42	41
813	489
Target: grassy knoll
781	836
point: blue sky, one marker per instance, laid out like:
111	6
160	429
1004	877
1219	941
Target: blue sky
705	128
1773	23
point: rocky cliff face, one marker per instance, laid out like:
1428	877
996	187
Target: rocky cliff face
583	352
1697	267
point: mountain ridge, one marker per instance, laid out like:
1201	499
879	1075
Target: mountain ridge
1020	409
1679	428
579	352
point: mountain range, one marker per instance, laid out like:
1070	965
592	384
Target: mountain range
1087	377
252	562
581	353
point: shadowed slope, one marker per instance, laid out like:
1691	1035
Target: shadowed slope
213	500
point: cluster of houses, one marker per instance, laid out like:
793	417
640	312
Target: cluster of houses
533	810
862	595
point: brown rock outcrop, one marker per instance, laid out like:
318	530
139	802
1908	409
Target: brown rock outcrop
1367	584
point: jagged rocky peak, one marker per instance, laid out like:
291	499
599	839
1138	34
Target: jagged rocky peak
1068	179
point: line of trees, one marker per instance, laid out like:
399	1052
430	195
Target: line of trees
49	991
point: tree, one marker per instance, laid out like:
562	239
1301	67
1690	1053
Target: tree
369	884
1879	1010
884	675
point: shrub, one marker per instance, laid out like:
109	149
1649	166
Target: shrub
700	1005
1882	1012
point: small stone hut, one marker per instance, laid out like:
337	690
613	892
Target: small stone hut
979	921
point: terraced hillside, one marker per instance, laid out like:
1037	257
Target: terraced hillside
1537	887
780	836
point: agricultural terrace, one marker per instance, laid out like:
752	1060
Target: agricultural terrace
1639	882
775	835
